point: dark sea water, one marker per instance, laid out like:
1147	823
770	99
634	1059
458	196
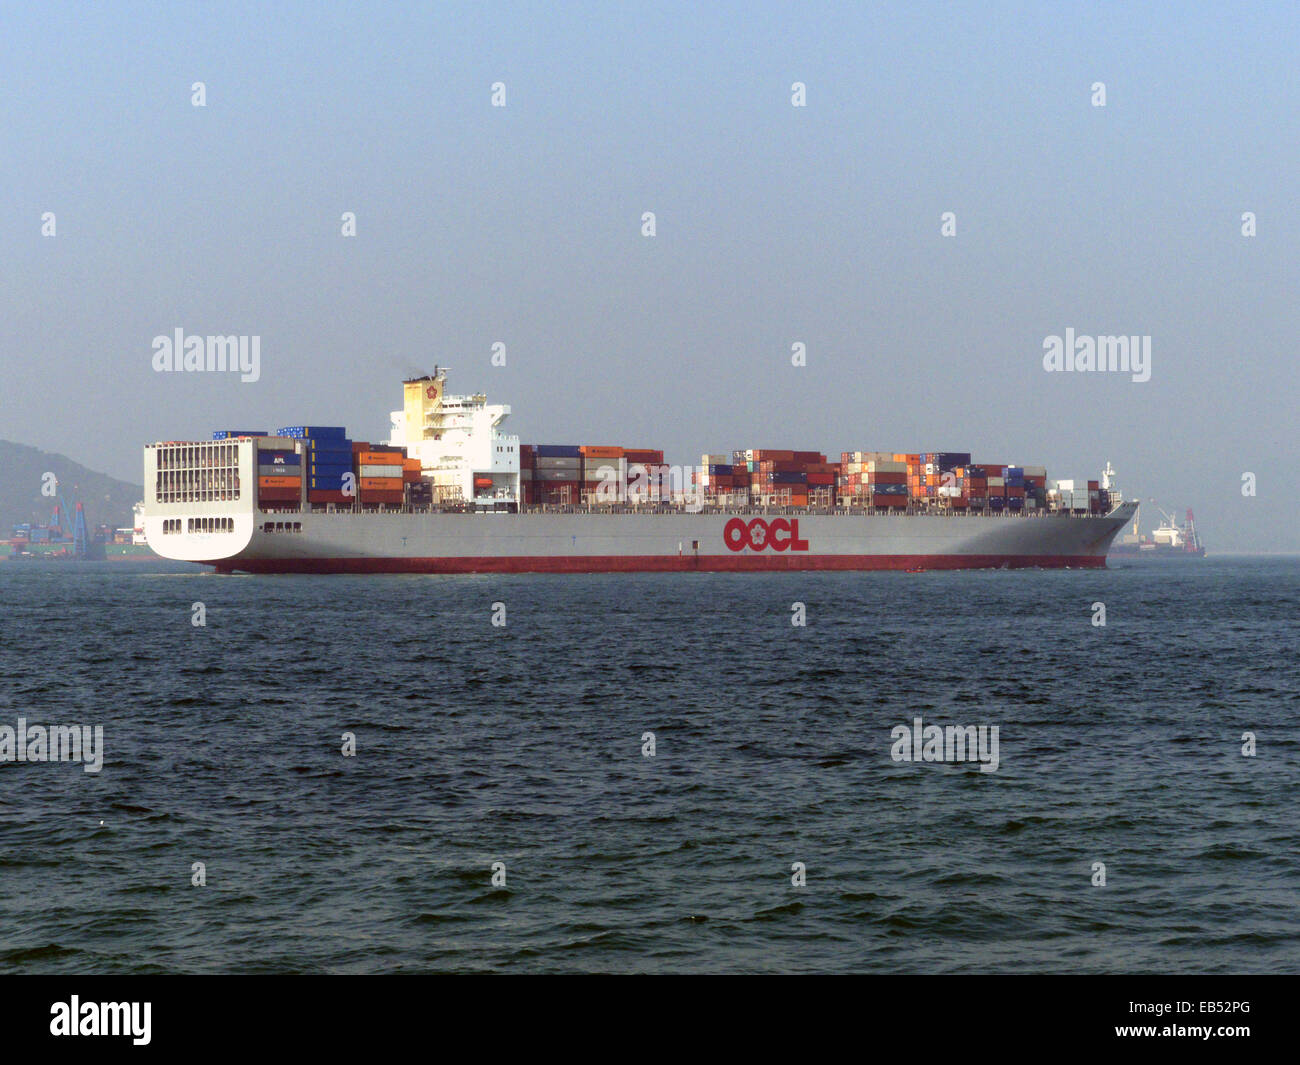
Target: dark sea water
523	745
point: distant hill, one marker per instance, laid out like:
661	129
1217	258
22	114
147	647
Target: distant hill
105	500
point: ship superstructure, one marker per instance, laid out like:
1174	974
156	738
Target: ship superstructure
458	441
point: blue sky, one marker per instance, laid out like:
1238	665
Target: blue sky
775	224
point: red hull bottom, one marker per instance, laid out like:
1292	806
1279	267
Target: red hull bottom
655	563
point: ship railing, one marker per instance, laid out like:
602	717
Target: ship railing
679	509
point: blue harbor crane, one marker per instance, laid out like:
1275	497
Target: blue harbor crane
82	548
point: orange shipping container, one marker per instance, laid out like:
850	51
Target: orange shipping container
279	482
380	484
598	451
380	458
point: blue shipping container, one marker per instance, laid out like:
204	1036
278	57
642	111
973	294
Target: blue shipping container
556	451
279	458
314	432
339	455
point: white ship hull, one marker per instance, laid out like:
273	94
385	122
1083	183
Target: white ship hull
576	542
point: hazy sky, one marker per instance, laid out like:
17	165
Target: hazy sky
775	225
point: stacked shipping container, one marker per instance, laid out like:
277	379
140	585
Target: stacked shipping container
784	478
380	474
557	473
872	479
314	462
327	456
1084	497
279	474
572	473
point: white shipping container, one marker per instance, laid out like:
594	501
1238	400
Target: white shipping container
886	467
381	471
996	482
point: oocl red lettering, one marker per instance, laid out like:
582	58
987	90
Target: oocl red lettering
780	534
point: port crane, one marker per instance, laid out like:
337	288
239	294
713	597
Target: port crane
77	516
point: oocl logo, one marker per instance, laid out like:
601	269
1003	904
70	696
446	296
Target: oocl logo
778	534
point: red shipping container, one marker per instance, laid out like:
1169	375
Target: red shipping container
278	495
382	497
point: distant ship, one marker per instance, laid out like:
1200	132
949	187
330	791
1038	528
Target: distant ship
1169	541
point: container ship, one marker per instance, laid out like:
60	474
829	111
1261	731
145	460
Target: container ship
452	492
